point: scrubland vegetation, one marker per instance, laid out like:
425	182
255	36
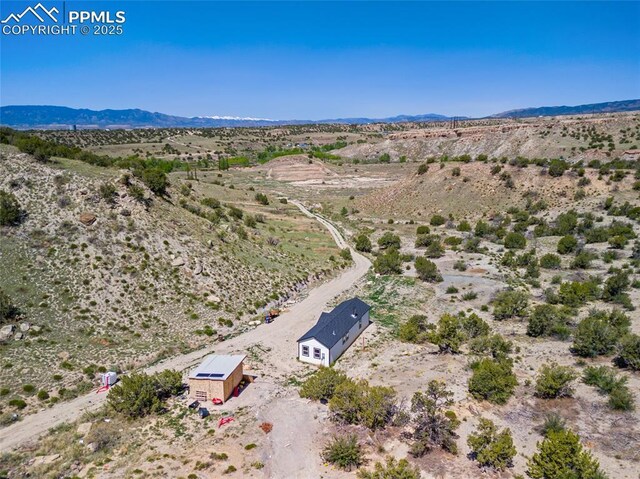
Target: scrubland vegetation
504	292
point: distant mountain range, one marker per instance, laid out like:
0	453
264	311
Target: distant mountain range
60	117
608	107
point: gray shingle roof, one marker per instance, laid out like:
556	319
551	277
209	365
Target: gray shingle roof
331	327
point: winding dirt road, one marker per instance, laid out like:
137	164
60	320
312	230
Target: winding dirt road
279	338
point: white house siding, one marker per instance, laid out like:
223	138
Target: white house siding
312	343
354	332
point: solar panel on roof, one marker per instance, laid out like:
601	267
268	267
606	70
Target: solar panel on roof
209	375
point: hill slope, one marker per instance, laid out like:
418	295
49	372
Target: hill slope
105	281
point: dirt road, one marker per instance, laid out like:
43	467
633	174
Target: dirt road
279	338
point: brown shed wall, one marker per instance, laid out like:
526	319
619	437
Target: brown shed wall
216	388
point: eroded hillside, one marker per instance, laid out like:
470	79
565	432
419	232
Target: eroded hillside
102	280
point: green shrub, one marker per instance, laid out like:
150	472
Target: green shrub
490	447
474	326
262	199
393	469
322	384
10	211
577	293
557	167
550	261
509	304
437	220
464	226
363	243
607	382
43	395
156	180
552	423
434	250
388	263
548	320
423	230
448	334
424	240
493	345
560	455
621	399
583	260
415	329
514	241
618	242
492	380
355	402
423	168
629	352
389	240
554	381
615	286
433	426
344	452
29	388
18	403
139	394
598	333
250	221
345	254
7	309
210	203
567	244
107	191
427	270
602	377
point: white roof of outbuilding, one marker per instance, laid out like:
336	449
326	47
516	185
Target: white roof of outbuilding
217	367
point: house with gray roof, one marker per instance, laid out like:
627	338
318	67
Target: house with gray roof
334	332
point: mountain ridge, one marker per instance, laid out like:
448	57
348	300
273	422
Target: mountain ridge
59	117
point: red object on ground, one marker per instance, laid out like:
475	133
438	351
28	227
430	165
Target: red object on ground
102	388
216	401
224	420
236	392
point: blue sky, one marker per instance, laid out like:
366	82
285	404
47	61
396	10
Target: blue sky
312	60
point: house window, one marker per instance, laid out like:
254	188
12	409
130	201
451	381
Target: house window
360	324
305	351
316	353
201	396
345	338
